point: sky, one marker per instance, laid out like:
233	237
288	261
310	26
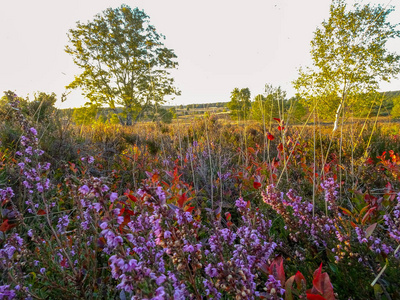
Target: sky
220	44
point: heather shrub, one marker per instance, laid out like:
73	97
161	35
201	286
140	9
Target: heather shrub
207	215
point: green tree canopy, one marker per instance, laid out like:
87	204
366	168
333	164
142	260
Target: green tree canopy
85	115
395	113
240	103
270	105
349	58
123	60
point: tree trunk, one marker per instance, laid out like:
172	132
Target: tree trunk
128	119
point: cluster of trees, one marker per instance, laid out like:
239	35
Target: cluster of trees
349	58
274	104
125	66
90	114
264	107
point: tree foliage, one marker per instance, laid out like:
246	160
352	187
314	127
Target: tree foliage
396	107
123	60
240	103
85	115
349	57
270	105
40	110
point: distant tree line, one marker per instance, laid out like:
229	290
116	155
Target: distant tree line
273	103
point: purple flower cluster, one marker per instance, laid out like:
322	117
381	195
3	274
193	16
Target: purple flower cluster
273	287
236	274
6	194
62	224
392	221
88	159
298	213
13	245
139	254
330	189
6	292
33	173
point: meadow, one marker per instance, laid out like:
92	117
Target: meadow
207	209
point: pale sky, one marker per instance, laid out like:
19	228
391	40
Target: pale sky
220	44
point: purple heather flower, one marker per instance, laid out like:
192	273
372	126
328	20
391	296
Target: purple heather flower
29	150
39	152
97	206
62	223
7	292
33	131
188	248
160	193
160	280
39	187
84	189
113	197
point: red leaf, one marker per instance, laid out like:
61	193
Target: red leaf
270	136
41	212
281	128
72	167
315	297
121	212
182	200
276	269
130	196
129	212
323	284
370	161
127	219
299	278
278	120
345	211
367	215
5	226
256	185
189	209
317	278
63	263
228	216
